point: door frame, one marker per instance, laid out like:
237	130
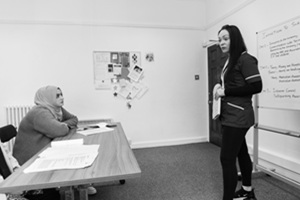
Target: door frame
215	63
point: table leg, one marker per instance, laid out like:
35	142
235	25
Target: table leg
83	194
67	193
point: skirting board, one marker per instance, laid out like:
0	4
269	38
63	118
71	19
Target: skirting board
161	143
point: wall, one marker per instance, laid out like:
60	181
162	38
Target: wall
51	42
276	151
217	10
169	13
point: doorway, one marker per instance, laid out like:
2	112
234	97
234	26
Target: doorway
215	61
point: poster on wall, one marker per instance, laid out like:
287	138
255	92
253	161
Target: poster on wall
102	70
121	72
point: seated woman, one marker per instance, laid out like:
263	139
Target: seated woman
44	122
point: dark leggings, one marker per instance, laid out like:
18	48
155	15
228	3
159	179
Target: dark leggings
234	146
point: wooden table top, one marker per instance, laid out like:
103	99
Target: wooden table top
115	161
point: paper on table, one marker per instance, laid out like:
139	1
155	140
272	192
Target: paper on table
70	162
102	124
216	108
64	157
94	129
67	142
65	151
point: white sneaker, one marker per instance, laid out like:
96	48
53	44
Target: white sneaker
91	190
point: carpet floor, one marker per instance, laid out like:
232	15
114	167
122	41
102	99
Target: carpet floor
185	172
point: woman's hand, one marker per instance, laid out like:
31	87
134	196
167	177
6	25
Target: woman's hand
219	92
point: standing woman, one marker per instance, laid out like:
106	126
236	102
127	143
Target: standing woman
240	79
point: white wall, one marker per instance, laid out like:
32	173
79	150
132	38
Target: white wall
217	10
176	13
283	151
51	42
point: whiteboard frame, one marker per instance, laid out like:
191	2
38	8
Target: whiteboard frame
257	49
256	128
281	23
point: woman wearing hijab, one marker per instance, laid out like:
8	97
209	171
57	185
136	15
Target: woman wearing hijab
44	122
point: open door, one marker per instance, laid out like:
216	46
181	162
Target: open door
216	59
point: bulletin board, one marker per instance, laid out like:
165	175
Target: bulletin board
120	72
279	64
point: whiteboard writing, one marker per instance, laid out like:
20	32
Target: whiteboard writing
279	65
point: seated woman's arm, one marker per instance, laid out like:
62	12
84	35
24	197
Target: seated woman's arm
70	119
45	123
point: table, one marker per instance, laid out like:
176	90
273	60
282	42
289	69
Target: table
115	161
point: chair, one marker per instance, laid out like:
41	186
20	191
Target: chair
6	133
4	170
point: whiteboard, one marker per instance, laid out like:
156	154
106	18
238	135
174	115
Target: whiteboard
279	65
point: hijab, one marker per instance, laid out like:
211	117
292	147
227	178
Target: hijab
46	97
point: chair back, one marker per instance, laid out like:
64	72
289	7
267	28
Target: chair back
4	169
7	132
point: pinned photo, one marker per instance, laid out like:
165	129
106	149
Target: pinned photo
150	57
117	69
135	73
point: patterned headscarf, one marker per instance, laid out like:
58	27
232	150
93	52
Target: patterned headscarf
46	97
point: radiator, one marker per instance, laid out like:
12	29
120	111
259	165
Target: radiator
14	114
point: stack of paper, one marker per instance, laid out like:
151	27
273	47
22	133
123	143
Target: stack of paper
216	108
68	154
